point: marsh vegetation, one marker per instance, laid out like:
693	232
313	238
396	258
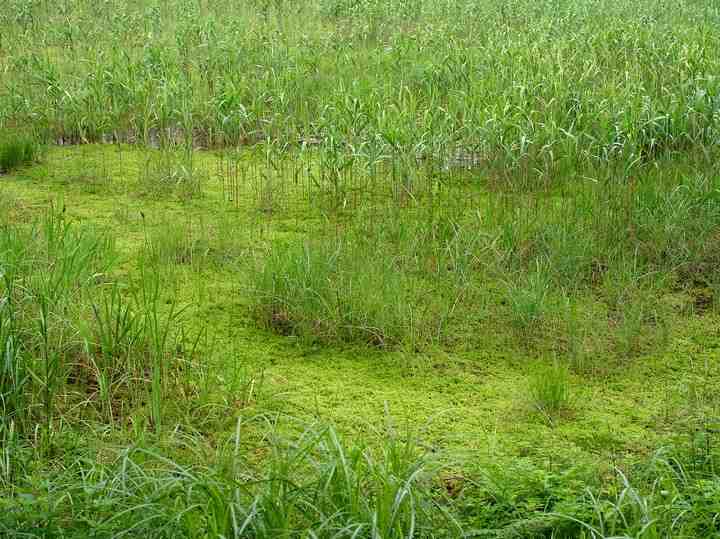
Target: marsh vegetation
380	269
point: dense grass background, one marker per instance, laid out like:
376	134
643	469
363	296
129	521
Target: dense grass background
535	88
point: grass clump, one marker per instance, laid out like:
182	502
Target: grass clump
72	333
171	172
177	244
671	494
550	388
394	281
529	299
18	150
48	267
338	291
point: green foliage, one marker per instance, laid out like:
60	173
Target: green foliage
315	484
115	346
672	497
393	281
439	257
318	484
520	499
47	268
14	375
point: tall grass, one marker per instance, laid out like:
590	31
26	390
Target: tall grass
330	291
47	268
546	88
315	484
64	322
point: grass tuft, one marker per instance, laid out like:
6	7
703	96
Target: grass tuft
550	388
18	150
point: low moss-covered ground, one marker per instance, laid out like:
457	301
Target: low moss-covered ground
465	400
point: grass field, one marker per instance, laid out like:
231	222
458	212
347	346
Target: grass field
359	269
